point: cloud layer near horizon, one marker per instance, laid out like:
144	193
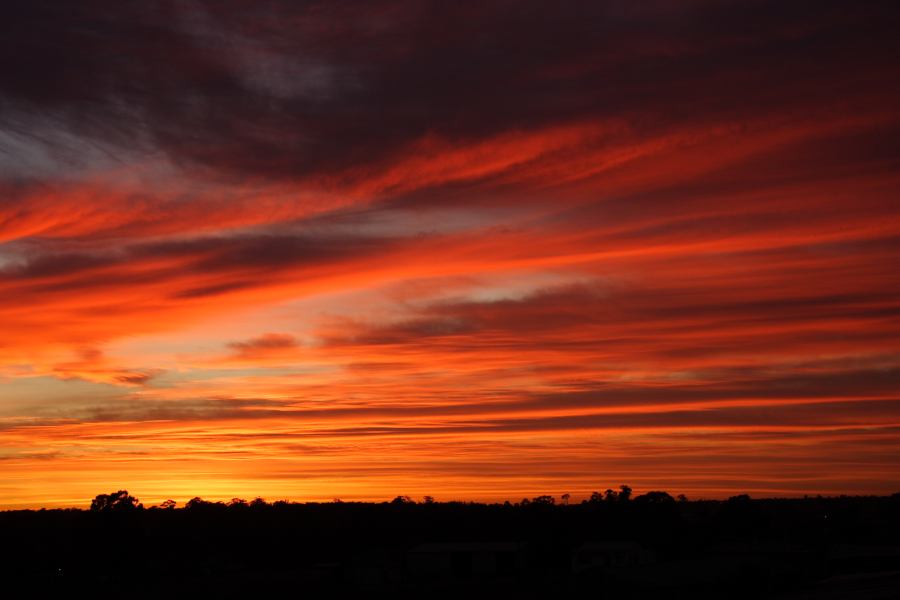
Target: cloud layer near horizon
312	250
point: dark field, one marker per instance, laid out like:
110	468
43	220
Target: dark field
650	546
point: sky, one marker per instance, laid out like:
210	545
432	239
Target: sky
479	251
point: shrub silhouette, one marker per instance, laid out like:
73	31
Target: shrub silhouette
655	497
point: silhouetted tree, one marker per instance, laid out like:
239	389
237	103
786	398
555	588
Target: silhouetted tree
682	498
428	499
596	497
258	502
565	498
624	493
610	495
167	504
196	502
237	503
117	501
545	500
403	500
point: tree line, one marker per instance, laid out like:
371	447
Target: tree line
122	500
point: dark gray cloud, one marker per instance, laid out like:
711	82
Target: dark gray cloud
283	89
136	409
40	270
658	319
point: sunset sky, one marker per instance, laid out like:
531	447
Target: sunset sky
480	251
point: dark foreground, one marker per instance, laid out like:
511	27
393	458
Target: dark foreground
645	547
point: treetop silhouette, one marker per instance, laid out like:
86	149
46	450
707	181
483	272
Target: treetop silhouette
116	501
